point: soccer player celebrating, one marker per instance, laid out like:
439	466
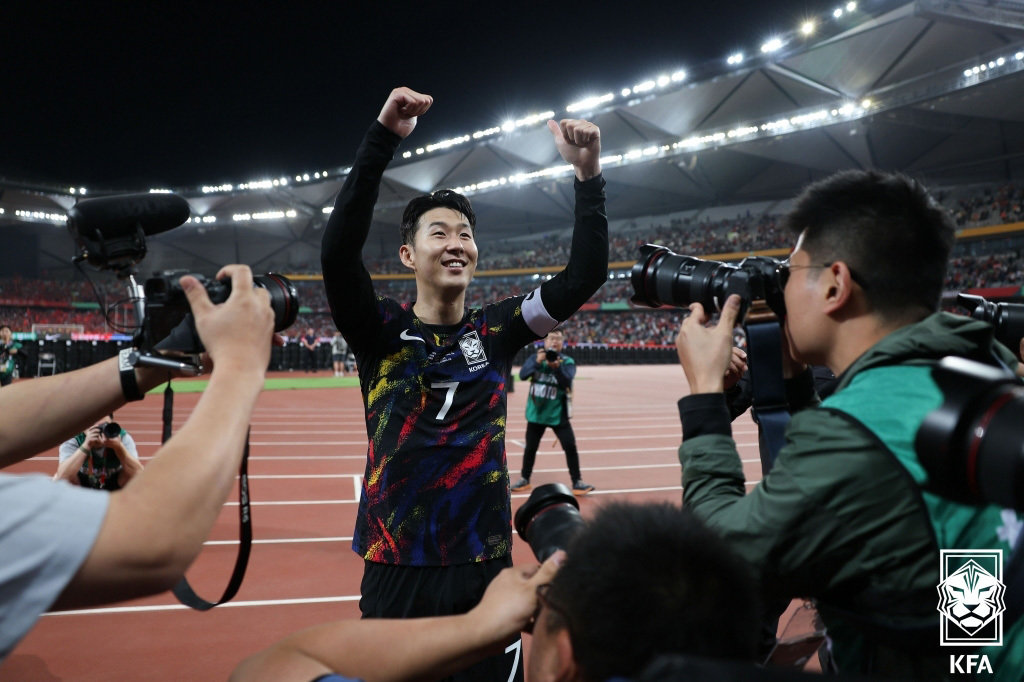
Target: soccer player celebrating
434	519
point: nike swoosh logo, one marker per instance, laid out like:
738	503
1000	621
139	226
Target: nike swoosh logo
406	336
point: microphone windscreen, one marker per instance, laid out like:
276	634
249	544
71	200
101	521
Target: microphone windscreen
119	215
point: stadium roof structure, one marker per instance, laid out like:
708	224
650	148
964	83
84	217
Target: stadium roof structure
932	88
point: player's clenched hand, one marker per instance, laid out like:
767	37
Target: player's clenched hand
579	143
401	109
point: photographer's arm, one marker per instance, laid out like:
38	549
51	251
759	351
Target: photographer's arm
431	648
156	526
44	403
530	365
129	458
71	462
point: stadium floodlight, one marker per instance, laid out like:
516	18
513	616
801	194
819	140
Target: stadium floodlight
645	86
327	210
807	28
663	81
486	132
772	45
591	102
866	103
41	215
1019	56
851	7
678	76
305	176
837	12
735	58
508	126
626	92
159	190
406	154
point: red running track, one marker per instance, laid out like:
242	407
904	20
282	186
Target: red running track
307	456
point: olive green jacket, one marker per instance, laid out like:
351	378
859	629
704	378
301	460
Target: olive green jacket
842	517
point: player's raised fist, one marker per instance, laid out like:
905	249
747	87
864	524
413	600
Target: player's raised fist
401	109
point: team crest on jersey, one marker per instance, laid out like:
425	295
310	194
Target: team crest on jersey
472	349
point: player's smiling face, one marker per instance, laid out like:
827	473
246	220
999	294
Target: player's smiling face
443	253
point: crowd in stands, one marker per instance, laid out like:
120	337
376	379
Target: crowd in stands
989	206
44	301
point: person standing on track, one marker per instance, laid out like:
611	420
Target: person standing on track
434	518
549	403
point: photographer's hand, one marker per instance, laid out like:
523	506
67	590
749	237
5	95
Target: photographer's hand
706	352
93	438
236	333
737	366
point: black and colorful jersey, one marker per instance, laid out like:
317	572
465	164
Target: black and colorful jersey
436	490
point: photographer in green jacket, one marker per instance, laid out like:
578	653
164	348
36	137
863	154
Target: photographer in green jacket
843	517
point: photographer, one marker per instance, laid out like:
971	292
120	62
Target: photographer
103	457
551	373
9	349
79	547
842	516
638	581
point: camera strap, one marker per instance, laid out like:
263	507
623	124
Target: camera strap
183	591
769	406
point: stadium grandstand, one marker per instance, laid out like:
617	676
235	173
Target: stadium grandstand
704	163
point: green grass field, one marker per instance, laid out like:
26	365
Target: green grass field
273	384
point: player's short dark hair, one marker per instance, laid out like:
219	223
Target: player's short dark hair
886	227
6	326
642	580
442	198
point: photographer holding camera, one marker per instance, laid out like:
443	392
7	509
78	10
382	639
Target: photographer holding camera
103	457
636	582
9	349
79	547
843	515
549	403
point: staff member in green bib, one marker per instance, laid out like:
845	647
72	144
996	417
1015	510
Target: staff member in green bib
551	373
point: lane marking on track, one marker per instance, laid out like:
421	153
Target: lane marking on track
180	607
281	541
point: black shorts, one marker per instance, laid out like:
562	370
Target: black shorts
390	591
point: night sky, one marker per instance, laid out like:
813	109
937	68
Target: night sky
129	95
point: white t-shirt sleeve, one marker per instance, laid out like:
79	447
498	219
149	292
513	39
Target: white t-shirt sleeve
47	529
129	445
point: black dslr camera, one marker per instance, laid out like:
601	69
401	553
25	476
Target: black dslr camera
549	519
972	446
662	277
550	355
1007	319
110	234
167	319
111	430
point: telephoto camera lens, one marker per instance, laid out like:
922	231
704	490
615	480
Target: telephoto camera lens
549	519
111	429
972	446
284	299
